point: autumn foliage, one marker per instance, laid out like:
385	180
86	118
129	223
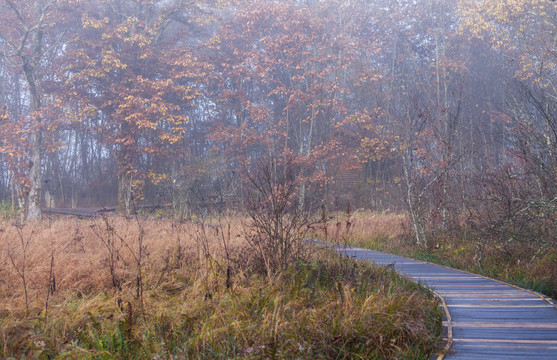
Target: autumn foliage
443	110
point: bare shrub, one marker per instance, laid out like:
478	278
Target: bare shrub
278	220
509	210
206	236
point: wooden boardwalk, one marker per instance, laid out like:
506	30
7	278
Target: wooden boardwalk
487	319
92	212
79	212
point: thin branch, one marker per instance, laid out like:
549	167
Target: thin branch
18	14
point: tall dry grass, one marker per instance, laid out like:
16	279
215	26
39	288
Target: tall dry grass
80	249
197	293
362	227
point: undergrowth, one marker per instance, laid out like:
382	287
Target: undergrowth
202	297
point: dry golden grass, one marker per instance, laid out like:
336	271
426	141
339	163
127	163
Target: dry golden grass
363	225
81	255
201	296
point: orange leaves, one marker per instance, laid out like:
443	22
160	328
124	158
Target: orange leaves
14	148
3	115
133	85
285	72
110	61
519	29
91	23
376	140
156	178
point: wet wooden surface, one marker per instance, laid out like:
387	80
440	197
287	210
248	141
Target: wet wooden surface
490	320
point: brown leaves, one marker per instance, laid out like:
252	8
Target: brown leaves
118	68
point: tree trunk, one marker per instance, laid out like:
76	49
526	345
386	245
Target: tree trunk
124	193
34	210
413	204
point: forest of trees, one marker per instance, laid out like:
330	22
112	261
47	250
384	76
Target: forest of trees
444	109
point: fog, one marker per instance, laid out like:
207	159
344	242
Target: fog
445	110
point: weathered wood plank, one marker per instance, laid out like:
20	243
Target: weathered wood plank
510	325
544	336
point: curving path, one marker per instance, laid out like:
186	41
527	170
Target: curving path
488	319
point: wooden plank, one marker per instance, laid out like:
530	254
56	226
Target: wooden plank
540	315
543	343
513	334
499	301
482	351
500	306
479	294
503	325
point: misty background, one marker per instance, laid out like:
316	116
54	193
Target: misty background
445	110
